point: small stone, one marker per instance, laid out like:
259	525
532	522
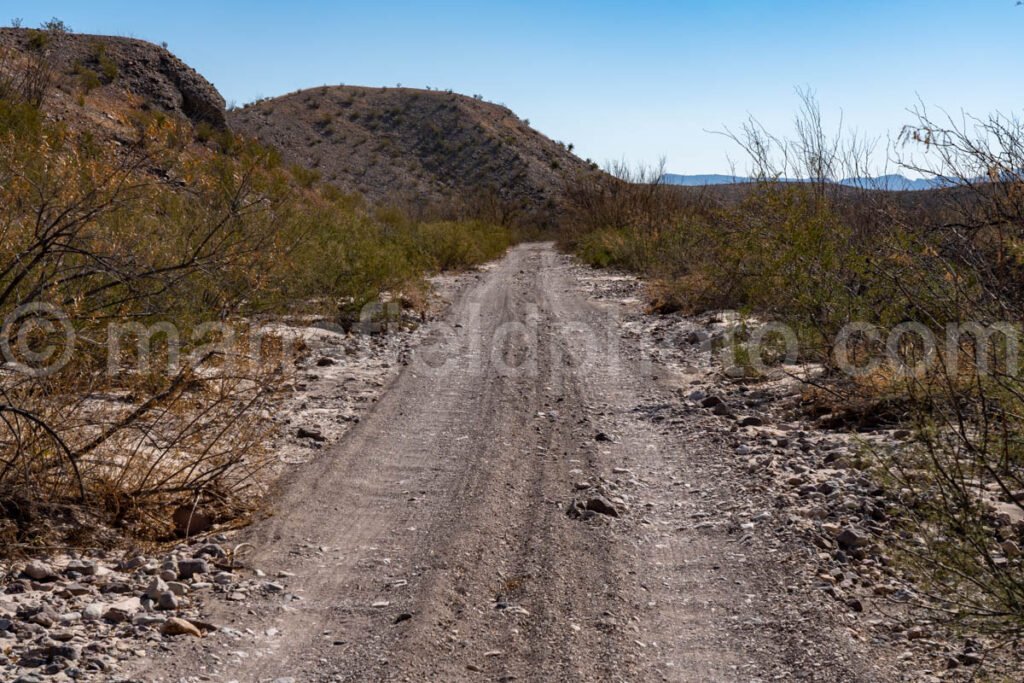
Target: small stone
970	658
39	571
148	619
82	567
381	603
180	627
178	588
118	587
211	550
189	568
167	601
46	618
66	651
156	588
735	372
132	563
122	610
601	506
750	421
852	538
310	433
93	612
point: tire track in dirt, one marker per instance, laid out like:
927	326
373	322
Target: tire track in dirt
432	543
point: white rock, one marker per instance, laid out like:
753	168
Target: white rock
123	610
93	612
38	570
157	587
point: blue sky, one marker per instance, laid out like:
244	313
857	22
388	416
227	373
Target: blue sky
620	80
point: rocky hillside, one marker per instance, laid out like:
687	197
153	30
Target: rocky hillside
93	81
410	145
425	150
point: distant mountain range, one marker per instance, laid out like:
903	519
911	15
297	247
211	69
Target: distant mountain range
885	182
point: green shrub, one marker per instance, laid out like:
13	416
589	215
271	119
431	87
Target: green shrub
816	255
87	78
222	231
108	68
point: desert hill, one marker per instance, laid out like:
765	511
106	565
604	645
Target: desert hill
89	77
411	145
425	150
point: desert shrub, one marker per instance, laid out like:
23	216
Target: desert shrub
108	67
345	256
964	477
456	245
178	246
88	79
26	78
55	25
304	176
817	255
38	40
90	234
609	248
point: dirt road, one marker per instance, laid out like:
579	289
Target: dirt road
433	543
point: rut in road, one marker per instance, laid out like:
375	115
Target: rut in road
433	544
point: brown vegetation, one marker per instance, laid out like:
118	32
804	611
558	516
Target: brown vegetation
820	257
137	246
